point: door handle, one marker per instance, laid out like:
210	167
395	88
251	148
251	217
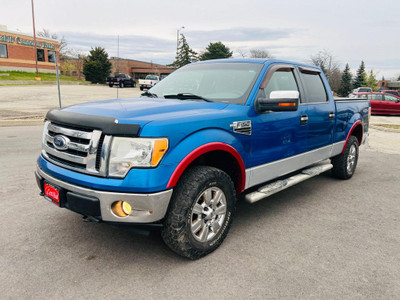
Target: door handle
303	120
331	116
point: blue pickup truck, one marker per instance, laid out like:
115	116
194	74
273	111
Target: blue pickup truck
178	157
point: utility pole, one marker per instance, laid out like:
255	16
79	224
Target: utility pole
34	41
58	80
177	39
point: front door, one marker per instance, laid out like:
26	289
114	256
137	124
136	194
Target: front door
276	135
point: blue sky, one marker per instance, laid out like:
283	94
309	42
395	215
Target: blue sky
351	30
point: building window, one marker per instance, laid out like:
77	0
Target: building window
67	73
51	56
40	55
81	73
74	73
62	72
3	51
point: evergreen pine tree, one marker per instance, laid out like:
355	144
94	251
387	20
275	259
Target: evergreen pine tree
345	84
361	77
371	81
96	66
215	51
186	55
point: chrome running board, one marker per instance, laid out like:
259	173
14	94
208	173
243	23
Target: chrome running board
279	185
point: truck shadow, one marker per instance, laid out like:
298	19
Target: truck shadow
109	244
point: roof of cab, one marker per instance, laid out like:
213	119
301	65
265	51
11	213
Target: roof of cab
265	61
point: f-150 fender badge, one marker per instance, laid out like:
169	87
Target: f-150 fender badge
242	127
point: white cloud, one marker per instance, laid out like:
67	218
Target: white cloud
291	29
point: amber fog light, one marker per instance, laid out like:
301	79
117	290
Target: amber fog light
121	208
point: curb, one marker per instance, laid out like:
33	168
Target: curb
20	122
381	128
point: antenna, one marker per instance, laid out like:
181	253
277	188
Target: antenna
117	63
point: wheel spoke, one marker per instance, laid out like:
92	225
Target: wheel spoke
197	209
221	210
217	199
197	226
215	227
207	196
204	233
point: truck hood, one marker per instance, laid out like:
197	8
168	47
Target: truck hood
144	110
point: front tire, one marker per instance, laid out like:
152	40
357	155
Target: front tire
200	213
344	165
121	85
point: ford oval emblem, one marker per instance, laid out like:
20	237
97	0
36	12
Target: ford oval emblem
60	142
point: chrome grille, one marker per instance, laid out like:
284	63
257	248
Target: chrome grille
79	149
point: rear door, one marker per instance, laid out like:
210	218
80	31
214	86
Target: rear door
392	104
320	111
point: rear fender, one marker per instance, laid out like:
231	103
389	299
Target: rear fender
356	129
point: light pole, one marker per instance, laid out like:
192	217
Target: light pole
34	41
177	39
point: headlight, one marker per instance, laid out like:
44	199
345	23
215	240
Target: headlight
127	153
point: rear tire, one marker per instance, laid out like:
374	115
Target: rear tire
141	88
200	213
110	85
344	165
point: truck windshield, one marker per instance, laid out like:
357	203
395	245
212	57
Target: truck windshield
218	82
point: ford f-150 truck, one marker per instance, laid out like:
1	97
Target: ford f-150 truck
177	157
121	80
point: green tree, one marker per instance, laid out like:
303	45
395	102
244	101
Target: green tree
361	77
215	51
345	84
398	78
96	66
371	81
185	55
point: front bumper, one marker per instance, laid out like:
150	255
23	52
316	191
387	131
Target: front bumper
146	208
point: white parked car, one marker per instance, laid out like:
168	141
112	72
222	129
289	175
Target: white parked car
148	82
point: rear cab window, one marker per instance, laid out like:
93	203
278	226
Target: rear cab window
313	85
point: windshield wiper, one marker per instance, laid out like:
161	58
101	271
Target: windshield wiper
150	95
183	96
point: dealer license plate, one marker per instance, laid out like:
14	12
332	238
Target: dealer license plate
52	194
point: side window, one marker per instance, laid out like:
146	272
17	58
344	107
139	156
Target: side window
51	56
3	51
40	55
390	98
281	80
314	87
377	97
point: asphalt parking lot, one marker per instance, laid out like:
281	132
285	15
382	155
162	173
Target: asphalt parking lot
322	239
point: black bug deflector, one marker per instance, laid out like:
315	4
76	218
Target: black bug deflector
107	125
